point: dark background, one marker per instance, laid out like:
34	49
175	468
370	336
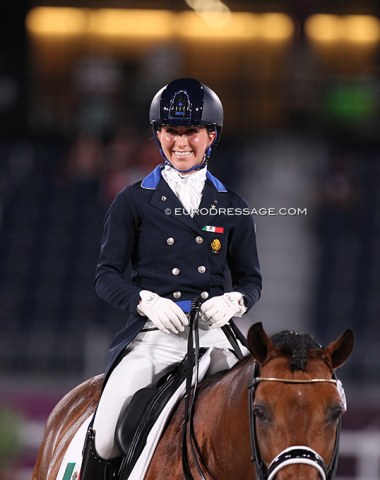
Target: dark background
301	131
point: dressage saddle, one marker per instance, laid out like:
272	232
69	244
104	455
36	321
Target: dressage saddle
138	416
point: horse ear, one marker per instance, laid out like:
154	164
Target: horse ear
340	349
259	343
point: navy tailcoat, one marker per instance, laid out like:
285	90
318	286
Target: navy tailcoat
171	253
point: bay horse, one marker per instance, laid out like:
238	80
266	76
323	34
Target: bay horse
274	416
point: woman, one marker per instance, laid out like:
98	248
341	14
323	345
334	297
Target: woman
175	231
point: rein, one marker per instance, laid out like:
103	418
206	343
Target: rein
295	454
190	397
193	353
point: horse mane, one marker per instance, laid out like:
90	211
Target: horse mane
295	346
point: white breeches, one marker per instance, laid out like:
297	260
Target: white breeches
148	354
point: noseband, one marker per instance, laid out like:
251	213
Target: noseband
295	454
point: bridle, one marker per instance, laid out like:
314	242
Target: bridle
297	454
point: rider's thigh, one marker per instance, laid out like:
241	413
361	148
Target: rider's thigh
145	358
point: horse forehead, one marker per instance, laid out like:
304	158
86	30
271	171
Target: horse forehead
297	396
279	367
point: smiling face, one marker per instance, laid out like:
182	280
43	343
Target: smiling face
185	147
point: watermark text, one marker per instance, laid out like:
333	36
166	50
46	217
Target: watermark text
236	211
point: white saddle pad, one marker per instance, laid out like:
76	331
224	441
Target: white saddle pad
72	461
211	362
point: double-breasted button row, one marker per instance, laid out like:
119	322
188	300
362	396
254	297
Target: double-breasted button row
177	271
170	240
178	295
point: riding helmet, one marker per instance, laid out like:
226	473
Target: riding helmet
184	102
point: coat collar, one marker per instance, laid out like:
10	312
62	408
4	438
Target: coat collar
151	181
164	199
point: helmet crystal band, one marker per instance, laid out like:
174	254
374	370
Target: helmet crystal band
180	106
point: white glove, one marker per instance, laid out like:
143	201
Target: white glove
219	310
164	313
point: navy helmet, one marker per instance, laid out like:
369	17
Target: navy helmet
185	102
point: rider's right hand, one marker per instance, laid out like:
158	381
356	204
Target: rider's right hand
164	313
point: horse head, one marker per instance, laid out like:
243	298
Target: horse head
296	404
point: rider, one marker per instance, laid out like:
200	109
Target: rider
179	228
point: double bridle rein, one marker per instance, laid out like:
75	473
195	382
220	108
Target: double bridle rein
233	334
297	454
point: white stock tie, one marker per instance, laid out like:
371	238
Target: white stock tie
188	188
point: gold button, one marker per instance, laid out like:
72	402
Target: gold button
176	271
177	294
201	269
170	241
199	239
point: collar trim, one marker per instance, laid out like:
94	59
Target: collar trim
151	181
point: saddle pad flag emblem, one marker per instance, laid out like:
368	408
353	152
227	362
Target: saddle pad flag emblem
68	475
210	228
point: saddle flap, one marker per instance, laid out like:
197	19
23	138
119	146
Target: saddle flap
141	406
138	416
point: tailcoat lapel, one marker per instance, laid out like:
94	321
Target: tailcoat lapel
167	202
209	203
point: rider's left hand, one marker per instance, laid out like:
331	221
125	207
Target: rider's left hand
218	311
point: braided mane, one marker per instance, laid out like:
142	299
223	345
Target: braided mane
295	346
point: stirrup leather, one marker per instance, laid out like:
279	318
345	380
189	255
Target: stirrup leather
95	467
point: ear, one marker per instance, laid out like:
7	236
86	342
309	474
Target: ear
211	136
340	349
259	343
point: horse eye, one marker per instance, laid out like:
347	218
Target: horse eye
335	414
260	413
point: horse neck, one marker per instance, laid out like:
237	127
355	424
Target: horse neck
232	385
223	406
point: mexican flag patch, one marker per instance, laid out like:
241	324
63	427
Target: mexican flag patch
210	228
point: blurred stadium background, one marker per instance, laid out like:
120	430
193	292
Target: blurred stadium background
299	81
